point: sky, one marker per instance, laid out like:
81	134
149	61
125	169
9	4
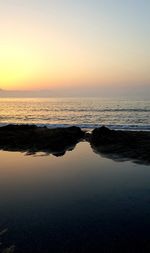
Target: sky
75	45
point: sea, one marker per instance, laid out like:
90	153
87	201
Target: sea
87	113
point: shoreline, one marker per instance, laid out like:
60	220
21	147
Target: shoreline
86	127
114	144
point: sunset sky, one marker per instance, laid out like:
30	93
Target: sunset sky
50	44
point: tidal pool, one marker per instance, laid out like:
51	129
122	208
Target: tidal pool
79	202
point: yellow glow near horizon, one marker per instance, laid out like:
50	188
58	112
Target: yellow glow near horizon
48	44
17	65
26	67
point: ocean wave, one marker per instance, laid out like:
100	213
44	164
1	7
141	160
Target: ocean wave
87	109
91	126
120	115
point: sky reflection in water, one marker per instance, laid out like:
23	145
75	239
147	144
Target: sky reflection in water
74	203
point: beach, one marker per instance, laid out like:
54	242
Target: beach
74	126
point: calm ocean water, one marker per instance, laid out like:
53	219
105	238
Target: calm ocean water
84	112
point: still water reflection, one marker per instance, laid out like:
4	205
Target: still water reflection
80	202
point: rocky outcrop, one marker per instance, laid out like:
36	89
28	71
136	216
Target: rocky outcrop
121	145
117	145
31	138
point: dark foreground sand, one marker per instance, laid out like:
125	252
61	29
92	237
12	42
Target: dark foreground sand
118	145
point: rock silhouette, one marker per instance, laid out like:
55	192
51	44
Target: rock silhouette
117	145
31	138
121	145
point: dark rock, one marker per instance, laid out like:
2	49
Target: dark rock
59	154
31	138
12	127
104	135
122	145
